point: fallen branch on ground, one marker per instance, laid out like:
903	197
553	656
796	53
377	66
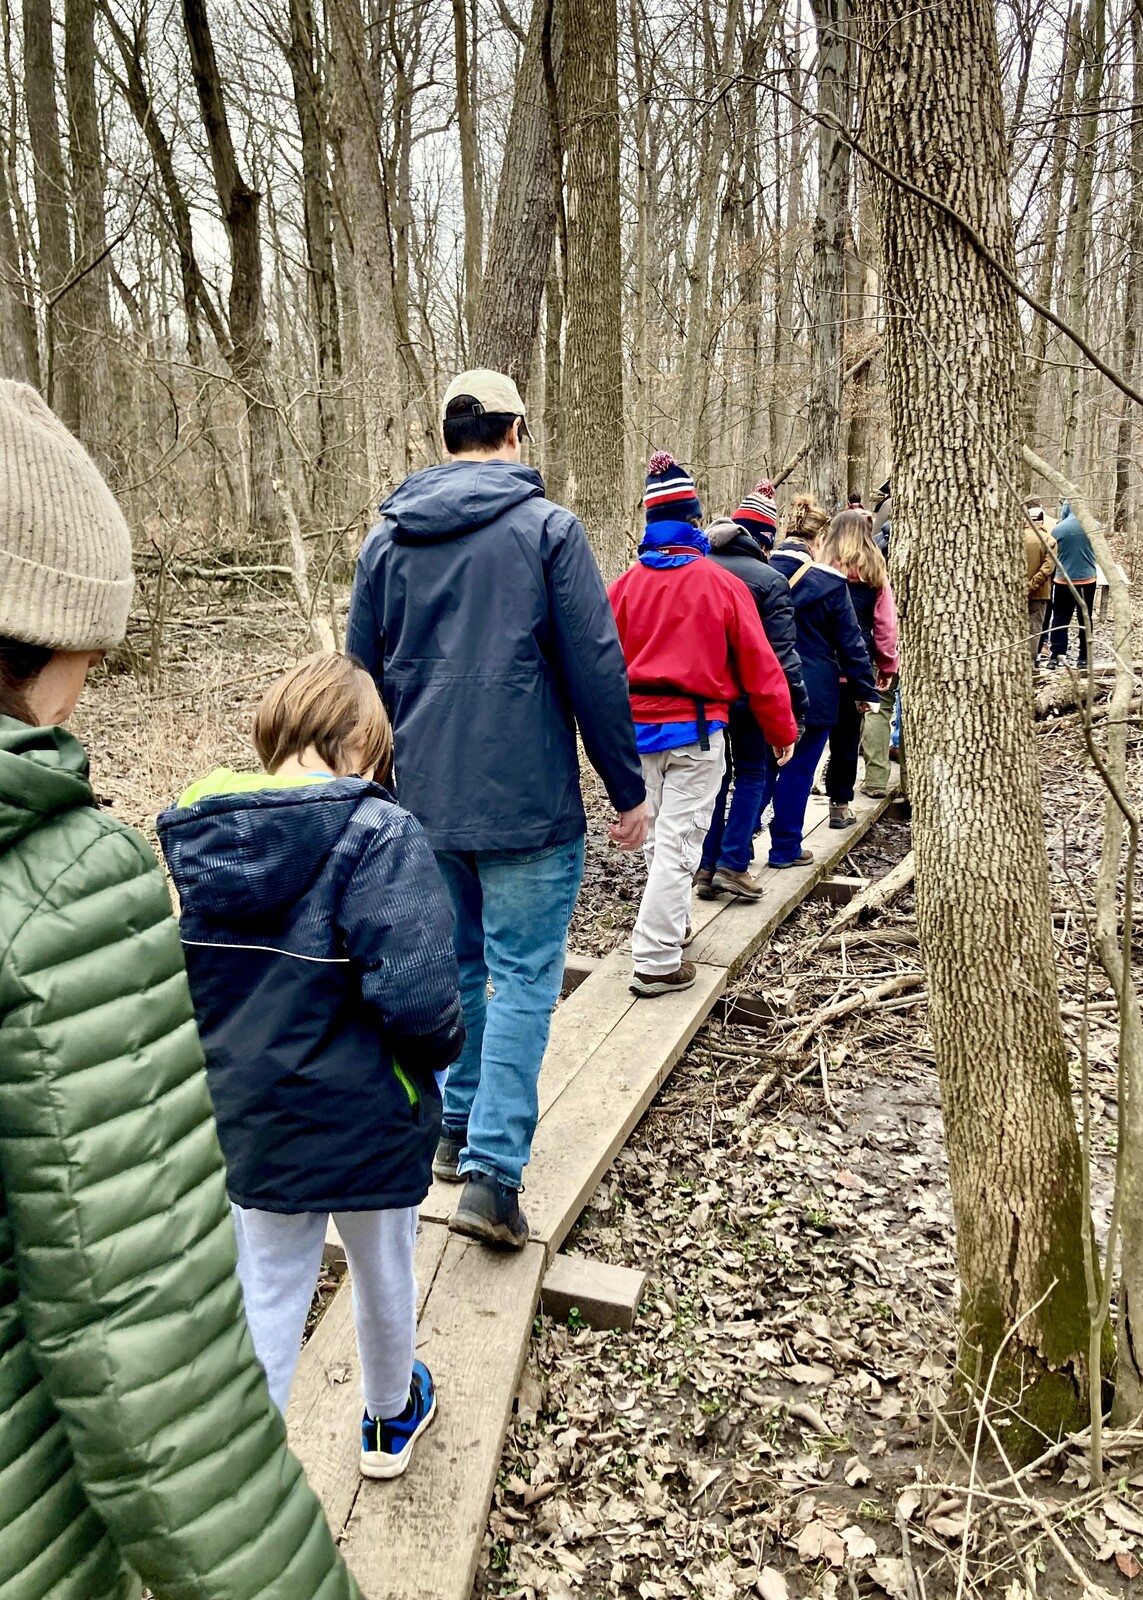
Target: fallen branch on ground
845	1008
879	893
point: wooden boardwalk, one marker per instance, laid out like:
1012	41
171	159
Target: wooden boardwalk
420	1537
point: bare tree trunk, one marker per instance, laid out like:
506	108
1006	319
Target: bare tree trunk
19	341
1078	241
1123	517
303	58
983	907
786	271
62	376
524	224
641	406
699	273
364	213
861	320
89	301
469	165
1045	277
830	226
593	385
239	205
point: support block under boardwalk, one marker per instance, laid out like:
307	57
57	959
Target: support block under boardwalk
606	1296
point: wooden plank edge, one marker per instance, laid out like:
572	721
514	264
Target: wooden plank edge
604	1295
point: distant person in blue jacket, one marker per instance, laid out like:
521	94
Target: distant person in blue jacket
830	647
318	939
1075	559
481	614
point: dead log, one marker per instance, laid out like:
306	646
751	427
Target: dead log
879	893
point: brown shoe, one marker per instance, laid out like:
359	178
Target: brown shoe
650	984
799	861
740	884
702	884
874	794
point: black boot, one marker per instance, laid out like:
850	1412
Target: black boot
490	1211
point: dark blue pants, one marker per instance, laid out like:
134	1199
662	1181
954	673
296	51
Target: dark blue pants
730	840
789	788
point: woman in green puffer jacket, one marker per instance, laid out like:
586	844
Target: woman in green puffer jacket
137	1436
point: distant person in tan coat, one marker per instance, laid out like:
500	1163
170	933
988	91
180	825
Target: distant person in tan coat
1040	559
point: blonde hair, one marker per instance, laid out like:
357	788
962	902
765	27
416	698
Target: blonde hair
330	704
807	519
849	547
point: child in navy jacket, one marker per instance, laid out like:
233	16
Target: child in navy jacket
318	938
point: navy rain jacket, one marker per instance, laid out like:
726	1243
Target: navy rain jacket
830	645
318	938
480	612
739	553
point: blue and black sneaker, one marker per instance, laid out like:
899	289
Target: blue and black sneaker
387	1442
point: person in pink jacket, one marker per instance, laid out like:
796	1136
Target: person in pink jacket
849	548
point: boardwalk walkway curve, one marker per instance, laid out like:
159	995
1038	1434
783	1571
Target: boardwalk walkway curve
420	1537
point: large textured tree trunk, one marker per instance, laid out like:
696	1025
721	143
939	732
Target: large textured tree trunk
19	341
239	204
983	907
524	223
1123	519
830	226
62	377
593	382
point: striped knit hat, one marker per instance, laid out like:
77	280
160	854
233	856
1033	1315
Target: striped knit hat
670	492
758	513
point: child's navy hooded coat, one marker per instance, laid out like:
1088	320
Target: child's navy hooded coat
318	938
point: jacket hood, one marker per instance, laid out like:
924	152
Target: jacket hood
447	501
244	847
43	771
723	532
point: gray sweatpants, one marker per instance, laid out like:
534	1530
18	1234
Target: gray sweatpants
279	1258
682	786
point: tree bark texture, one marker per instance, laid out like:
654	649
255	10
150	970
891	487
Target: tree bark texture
239	204
1123	516
19	339
469	164
364	212
830	228
1045	276
1079	233
593	380
524	223
983	909
62	376
89	307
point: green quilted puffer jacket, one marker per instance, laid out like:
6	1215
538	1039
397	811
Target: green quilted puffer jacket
137	1436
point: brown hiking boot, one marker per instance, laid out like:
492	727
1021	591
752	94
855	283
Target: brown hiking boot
650	984
702	884
738	883
802	860
840	816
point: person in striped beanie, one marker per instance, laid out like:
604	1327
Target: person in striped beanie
758	513
670	494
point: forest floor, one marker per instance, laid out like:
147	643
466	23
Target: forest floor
777	1421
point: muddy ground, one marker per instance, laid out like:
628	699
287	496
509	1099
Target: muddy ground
777	1421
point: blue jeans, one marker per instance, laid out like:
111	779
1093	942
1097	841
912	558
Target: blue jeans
789	788
730	840
512	910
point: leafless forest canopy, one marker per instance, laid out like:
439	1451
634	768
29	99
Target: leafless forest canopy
243	246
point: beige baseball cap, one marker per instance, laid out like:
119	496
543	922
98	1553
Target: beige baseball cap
492	391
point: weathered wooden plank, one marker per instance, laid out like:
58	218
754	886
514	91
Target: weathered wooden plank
838	889
578	969
732	939
324	1413
604	1295
579	1025
577	1139
419	1538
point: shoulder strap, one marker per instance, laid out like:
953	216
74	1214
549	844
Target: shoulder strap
796	577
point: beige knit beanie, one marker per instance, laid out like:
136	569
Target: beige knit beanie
65	552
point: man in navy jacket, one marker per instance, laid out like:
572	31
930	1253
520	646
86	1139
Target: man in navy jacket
481	614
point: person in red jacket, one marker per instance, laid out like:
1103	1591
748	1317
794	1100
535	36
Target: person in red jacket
693	643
